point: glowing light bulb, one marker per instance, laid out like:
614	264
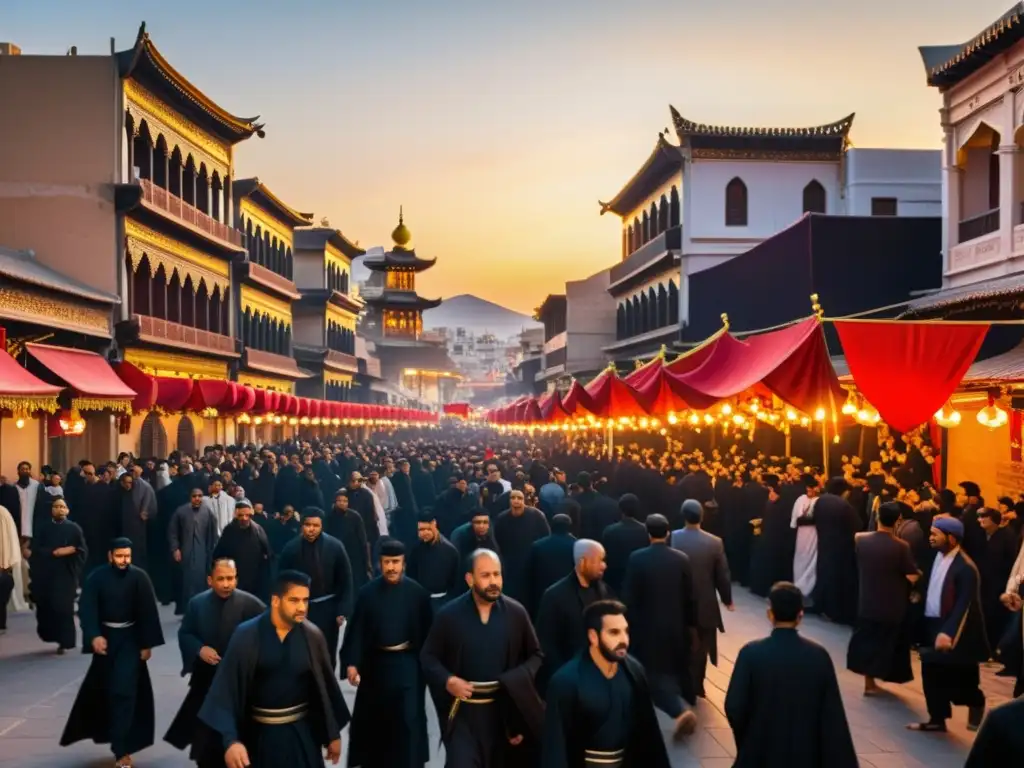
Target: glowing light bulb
673	419
19	423
726	409
819	415
694	419
948	416
738	419
791	414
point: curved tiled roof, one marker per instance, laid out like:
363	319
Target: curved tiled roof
687	128
23	267
245	187
663	161
946	65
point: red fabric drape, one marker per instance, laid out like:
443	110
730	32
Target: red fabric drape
457	409
577	400
551	408
612	398
908	370
144	385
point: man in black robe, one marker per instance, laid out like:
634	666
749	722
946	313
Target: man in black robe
380	657
454	507
192	537
323	559
622	539
274	700
435	562
480	660
837	522
550	559
90	510
120	627
361	500
515	530
166	574
783	702
247	546
347	527
597	511
772	558
58	554
560	627
599	709
1000	742
210	619
132	521
663	614
282	528
880	645
474	535
408	511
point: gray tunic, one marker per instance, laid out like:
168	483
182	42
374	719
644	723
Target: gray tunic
194	532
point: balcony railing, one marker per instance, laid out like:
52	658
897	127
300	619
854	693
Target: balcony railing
980	225
164	331
179	209
670	239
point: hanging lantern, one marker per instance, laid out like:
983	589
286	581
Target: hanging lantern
947	416
867	416
992	416
850	406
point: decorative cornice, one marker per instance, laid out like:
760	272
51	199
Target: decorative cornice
266	382
143	105
175	256
342	317
31	306
175	366
757	154
250	210
261	304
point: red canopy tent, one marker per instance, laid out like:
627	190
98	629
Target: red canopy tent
611	397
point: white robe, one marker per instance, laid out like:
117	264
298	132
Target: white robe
805	560
10	558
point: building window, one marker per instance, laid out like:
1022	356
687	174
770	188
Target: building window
736	203
400	281
814	197
884	206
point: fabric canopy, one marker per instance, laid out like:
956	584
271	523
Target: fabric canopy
172	394
145	386
551	408
922	365
94	384
613	398
21	391
457	409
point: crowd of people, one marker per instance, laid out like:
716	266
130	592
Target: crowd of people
548	595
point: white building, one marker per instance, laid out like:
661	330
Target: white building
721	190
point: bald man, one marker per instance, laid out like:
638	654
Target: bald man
560	627
480	660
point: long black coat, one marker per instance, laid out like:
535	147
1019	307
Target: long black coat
565	730
550	559
597	512
772	558
560	628
621	540
662	611
835	593
784	706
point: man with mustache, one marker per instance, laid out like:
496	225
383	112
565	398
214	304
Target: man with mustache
380	657
120	627
599	707
58	554
275	700
480	660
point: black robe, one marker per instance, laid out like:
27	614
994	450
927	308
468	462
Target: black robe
361	501
209	621
249	547
570	718
92	512
55	580
438	569
784	706
621	540
662	609
226	708
597	512
163	570
773	549
404	517
392	688
835	592
280	532
1000	742
348	528
331	595
452	509
515	535
445	653
115	703
560	627
550	560
131	525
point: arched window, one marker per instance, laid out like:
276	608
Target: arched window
663	214
153	440
620	322
814	197
673	200
655	227
673	304
646	229
736	203
186	436
629	241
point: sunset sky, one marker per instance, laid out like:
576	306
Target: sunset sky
499	125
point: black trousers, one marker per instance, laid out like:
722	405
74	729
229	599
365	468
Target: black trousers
6	588
947	684
476	739
706	646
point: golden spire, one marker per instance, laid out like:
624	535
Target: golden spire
401	234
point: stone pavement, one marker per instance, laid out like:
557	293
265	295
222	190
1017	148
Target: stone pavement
37	689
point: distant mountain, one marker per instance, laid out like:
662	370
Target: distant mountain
482	316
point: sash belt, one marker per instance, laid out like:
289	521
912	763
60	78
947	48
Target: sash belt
483	693
280	716
612	758
439	595
396	648
323	599
119	624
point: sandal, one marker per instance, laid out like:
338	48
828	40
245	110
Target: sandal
927	727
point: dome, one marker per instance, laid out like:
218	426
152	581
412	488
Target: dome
401	234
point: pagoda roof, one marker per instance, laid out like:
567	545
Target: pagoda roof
268	201
323	296
947	65
398	258
317	238
663	162
821	142
401	300
144	62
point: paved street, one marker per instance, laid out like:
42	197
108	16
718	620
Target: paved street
37	689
